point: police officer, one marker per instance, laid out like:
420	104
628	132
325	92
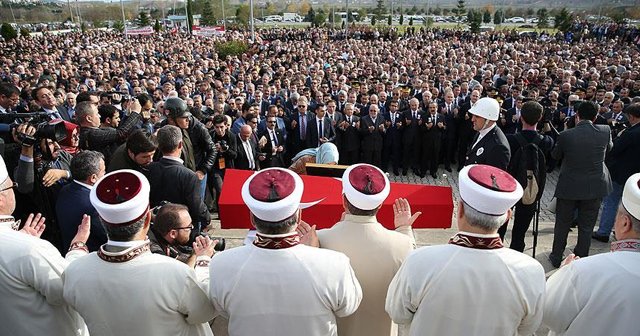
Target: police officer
489	146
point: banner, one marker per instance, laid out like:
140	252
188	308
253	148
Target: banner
148	30
208	31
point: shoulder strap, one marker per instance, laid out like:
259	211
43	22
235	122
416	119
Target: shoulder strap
521	139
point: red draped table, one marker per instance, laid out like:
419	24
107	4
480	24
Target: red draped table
435	202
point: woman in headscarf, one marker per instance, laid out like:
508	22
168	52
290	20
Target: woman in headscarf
71	144
327	153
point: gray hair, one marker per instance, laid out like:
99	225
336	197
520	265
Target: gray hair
481	220
169	138
84	109
85	164
635	222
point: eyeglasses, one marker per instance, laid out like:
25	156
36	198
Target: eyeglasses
271	121
13	186
190	227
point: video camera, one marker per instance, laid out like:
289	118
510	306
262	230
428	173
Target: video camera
45	129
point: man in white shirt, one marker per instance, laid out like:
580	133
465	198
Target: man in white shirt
600	295
473	285
124	289
277	286
30	283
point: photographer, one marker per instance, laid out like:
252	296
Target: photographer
104	139
225	143
42	171
170	235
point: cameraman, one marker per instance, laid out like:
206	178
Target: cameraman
225	143
170	234
42	171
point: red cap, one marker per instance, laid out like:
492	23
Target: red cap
492	178
367	180
271	186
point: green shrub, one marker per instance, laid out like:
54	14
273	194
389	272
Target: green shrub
231	48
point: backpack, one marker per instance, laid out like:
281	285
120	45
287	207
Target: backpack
528	166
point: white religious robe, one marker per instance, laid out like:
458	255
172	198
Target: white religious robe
31	288
148	295
295	291
376	255
596	295
454	290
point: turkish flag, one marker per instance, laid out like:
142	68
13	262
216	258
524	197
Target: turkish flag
435	202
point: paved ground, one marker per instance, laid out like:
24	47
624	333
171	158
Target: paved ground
425	237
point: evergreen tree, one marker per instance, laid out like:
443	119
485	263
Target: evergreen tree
319	18
564	20
460	10
475	21
486	16
143	19
190	15
543	18
118	26
401	19
411	21
389	22
373	20
380	9
157	27
311	15
498	17
207	19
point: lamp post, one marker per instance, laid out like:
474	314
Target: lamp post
224	19
124	21
253	32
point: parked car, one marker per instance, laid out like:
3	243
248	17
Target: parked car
515	19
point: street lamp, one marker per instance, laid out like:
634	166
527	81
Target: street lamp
253	32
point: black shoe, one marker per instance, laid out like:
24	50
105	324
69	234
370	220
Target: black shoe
596	236
555	263
404	172
421	175
448	169
434	175
396	172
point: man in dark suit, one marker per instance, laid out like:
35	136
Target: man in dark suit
333	115
87	167
392	150
372	131
584	180
297	128
449	110
510	119
247	150
171	181
319	129
348	137
47	102
412	120
274	147
622	162
432	130
489	146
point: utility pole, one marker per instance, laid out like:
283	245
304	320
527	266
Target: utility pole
346	25
124	20
253	32
224	19
68	4
12	15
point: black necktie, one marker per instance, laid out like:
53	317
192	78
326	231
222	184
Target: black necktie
319	130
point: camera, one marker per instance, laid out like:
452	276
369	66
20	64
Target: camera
220	246
45	129
223	145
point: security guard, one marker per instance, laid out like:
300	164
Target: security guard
490	146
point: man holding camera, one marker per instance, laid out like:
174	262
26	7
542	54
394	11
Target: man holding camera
584	180
92	137
170	235
225	143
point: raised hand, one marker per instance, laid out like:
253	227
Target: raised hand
308	234
34	225
402	213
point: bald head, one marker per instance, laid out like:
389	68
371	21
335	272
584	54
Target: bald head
245	132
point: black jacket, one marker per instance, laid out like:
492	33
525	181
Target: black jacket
623	160
204	151
171	181
492	150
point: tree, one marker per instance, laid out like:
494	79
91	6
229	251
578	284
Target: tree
208	18
242	15
190	15
157	27
543	18
118	26
143	19
305	7
380	10
292	8
437	11
373	20
475	20
271	8
428	22
498	17
564	20
319	18
411	21
445	11
24	32
389	22
401	19
530	11
332	16
413	10
486	16
311	15
460	10
362	13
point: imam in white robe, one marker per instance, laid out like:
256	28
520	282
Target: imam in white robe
31	300
596	295
294	291
454	290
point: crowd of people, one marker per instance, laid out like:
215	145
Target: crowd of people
119	148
